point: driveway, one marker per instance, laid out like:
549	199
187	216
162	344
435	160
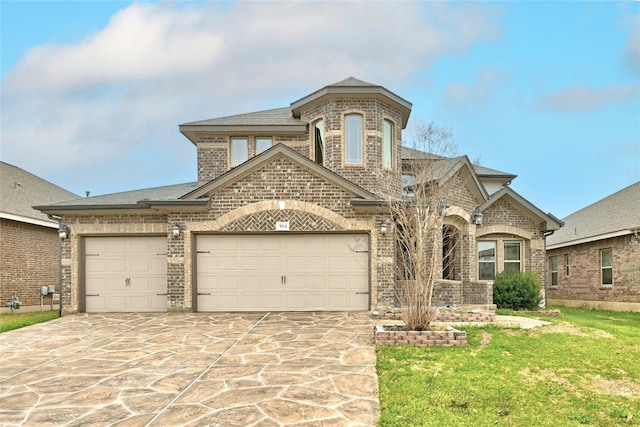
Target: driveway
241	369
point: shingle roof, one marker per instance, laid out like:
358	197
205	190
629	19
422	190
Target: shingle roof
125	199
615	215
20	190
277	116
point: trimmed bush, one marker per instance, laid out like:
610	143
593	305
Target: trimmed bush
517	290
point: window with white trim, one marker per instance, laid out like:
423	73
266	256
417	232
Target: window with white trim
606	266
553	270
263	144
486	260
353	139
239	151
512	257
387	145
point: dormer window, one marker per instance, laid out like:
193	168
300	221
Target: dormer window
318	141
387	147
353	139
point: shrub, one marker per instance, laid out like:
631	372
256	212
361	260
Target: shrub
517	290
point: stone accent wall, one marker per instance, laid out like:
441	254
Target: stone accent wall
584	279
28	260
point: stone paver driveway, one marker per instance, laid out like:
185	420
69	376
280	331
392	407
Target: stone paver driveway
196	369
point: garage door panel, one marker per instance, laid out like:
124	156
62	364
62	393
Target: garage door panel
283	272
125	274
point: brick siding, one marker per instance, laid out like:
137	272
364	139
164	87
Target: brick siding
28	260
584	279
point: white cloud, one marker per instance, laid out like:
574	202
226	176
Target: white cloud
109	105
580	97
474	96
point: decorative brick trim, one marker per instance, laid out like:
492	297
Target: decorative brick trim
504	229
385	335
444	317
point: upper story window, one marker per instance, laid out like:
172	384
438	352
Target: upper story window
263	144
387	145
239	151
318	141
353	139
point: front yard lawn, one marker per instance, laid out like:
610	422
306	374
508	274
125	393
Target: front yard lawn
582	370
12	321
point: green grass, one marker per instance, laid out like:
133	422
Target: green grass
17	320
582	370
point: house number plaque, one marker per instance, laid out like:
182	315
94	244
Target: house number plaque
282	226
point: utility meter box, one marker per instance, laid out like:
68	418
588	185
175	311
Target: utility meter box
52	289
44	290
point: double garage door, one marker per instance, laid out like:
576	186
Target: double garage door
281	272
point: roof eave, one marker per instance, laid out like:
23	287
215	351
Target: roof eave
191	131
378	92
590	239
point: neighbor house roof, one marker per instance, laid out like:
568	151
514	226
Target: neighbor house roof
615	215
21	190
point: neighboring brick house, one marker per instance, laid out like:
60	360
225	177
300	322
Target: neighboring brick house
594	261
286	215
29	243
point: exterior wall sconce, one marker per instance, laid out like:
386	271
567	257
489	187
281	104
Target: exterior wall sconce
64	231
477	217
176	230
442	208
383	227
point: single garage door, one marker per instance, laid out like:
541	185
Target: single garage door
125	274
282	272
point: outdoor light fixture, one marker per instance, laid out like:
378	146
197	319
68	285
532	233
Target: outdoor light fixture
442	207
383	227
176	230
477	217
64	231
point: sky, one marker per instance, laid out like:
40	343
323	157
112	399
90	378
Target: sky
92	92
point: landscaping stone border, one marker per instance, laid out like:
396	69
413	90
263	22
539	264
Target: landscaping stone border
391	335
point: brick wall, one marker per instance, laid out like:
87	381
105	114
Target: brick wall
28	260
584	279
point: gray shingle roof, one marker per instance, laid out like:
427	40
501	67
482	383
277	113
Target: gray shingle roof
127	198
617	214
277	116
20	190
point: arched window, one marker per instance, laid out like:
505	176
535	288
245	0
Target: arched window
353	139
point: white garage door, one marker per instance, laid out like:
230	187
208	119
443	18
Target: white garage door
282	272
125	274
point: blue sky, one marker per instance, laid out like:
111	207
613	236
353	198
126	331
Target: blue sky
93	92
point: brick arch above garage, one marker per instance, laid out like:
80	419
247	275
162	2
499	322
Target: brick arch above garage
261	216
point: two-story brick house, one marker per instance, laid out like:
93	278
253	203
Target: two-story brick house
286	215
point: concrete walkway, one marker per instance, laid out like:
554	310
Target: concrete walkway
257	369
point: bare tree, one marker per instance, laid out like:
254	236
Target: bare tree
417	212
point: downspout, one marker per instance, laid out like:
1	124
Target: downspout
59	219
546	275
